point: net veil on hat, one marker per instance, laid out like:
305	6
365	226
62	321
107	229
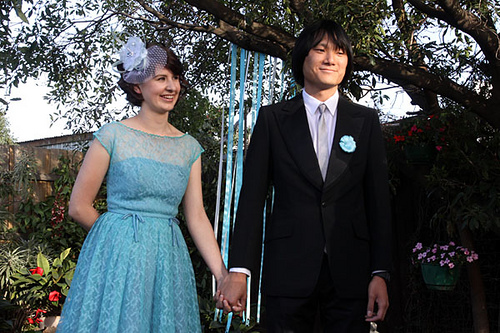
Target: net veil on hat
140	64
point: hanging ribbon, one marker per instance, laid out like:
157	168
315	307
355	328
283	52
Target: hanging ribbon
226	221
241	132
234	170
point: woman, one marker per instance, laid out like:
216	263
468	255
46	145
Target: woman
134	272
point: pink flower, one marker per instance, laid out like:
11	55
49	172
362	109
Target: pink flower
451	265
37	270
54	296
439	148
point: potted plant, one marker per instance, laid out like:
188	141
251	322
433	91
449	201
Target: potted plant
43	289
440	264
420	137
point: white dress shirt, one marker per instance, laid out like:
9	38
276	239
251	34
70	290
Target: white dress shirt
312	113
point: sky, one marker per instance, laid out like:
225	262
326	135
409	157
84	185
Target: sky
29	118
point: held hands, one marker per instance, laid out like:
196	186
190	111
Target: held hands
377	293
231	293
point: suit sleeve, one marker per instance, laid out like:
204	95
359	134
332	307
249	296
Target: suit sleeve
247	236
378	200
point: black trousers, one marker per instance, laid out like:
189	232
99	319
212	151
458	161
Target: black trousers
322	311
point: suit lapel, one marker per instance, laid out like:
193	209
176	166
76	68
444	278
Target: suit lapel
294	129
346	124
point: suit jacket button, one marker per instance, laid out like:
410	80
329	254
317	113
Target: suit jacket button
323	204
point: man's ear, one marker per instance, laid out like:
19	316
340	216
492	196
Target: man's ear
137	89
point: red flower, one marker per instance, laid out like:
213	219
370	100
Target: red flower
39	311
38	320
398	138
54	296
31	321
37	270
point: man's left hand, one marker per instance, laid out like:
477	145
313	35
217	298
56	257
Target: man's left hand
377	293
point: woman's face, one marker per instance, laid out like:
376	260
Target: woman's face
161	92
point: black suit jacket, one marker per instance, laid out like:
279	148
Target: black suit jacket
348	213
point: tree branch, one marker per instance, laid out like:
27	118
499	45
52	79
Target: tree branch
235	19
300	9
486	37
398	72
453	14
426	99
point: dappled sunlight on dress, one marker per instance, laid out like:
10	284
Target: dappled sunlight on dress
134	272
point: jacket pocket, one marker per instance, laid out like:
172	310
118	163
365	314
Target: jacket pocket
278	230
360	228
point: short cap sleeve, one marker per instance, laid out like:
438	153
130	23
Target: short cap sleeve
106	136
196	150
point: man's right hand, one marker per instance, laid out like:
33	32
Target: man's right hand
231	295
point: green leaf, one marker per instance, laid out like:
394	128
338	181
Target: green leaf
21	15
43	263
64	254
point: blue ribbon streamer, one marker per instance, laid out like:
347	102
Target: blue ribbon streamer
234	172
229	164
226	218
262	57
241	132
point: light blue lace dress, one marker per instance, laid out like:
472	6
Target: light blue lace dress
134	273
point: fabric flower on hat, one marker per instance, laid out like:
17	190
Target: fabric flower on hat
133	55
347	144
140	64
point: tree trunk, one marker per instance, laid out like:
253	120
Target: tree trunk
477	292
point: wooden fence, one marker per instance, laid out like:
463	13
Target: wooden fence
46	160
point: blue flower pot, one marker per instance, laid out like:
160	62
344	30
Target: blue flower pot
440	277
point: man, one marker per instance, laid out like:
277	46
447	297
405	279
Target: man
327	243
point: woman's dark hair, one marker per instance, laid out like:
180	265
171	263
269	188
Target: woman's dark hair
312	36
173	64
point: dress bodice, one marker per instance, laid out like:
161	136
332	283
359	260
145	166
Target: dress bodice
148	173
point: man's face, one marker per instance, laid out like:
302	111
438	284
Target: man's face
324	68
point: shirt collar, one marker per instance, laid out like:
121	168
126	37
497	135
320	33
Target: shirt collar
312	103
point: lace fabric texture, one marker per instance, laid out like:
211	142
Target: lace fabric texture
134	273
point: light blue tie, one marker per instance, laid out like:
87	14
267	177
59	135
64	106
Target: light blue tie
322	141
